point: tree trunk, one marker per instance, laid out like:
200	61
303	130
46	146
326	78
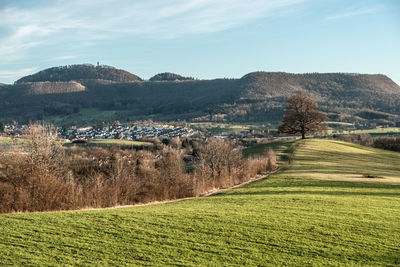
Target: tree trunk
303	135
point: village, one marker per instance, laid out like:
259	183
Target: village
128	132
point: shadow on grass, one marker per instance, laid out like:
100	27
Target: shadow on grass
280	147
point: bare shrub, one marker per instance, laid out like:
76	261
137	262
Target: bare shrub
41	175
215	156
257	166
359	139
388	143
173	182
370	175
270	156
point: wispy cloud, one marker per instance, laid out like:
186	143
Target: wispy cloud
10	74
351	12
77	21
58	58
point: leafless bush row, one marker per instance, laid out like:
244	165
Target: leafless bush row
383	142
42	175
388	143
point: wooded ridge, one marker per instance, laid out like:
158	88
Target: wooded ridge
258	96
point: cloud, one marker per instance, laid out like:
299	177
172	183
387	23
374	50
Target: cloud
58	58
11	74
350	13
58	22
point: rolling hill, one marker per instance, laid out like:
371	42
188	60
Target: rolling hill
58	94
168	76
283	220
80	72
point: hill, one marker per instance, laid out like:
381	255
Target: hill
275	221
256	97
345	97
333	160
45	88
80	72
168	76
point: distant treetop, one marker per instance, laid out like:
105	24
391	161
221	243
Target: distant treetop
81	72
168	76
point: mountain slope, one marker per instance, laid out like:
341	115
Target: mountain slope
321	86
80	72
256	97
168	76
342	95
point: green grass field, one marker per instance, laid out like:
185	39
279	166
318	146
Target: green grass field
389	131
5	140
282	149
85	116
335	160
115	142
216	128
282	220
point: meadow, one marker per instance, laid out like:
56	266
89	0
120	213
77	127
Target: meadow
85	116
115	142
7	141
216	128
287	219
335	160
388	131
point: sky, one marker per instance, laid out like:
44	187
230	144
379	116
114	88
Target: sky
204	39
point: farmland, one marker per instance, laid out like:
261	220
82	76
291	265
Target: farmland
292	218
5	140
389	131
114	142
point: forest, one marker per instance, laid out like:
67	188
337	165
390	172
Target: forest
66	92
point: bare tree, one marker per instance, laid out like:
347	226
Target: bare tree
301	117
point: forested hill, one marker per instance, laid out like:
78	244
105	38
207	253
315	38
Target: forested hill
168	76
271	84
81	72
256	97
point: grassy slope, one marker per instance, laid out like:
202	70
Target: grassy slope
85	116
390	131
115	142
274	221
216	128
282	150
120	142
5	140
343	161
376	131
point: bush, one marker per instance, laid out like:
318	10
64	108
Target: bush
388	143
359	139
42	175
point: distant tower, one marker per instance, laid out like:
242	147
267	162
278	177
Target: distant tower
98	64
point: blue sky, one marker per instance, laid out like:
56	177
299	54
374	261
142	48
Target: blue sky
201	38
